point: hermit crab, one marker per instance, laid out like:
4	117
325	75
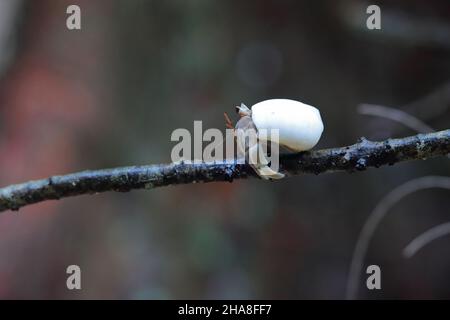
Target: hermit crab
299	128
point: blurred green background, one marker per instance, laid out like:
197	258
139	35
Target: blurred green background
111	94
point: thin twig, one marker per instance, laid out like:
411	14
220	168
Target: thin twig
395	115
356	157
425	238
374	219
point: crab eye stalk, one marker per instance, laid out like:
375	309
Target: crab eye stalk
243	110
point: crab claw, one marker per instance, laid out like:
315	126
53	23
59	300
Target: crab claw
262	168
267	173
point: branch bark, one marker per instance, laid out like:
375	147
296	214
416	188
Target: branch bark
357	157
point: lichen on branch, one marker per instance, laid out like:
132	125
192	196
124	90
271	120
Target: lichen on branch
356	157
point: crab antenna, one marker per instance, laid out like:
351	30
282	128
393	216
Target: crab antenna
228	122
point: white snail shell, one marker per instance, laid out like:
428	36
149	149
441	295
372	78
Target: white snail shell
300	125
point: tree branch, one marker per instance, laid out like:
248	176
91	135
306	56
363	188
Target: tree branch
356	157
